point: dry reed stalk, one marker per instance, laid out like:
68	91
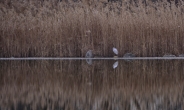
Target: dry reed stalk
44	29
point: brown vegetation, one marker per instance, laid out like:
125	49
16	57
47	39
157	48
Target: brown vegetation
67	29
148	85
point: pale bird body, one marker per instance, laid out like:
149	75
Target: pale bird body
115	50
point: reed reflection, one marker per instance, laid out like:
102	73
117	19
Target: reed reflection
75	85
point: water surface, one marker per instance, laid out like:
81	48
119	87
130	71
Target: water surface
76	85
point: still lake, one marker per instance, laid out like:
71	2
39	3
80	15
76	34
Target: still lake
92	85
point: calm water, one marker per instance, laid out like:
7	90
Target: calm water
96	85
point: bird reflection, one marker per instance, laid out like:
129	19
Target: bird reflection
89	61
115	65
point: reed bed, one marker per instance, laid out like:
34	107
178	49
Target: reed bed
69	29
74	85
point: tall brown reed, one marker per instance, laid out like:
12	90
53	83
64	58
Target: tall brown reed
36	28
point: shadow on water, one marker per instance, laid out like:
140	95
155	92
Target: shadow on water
75	85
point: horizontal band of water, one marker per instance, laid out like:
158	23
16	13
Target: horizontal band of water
97	58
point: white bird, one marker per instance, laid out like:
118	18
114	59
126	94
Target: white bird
115	50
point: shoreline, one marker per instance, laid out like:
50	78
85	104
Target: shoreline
97	58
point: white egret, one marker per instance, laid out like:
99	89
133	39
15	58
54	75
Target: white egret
115	50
